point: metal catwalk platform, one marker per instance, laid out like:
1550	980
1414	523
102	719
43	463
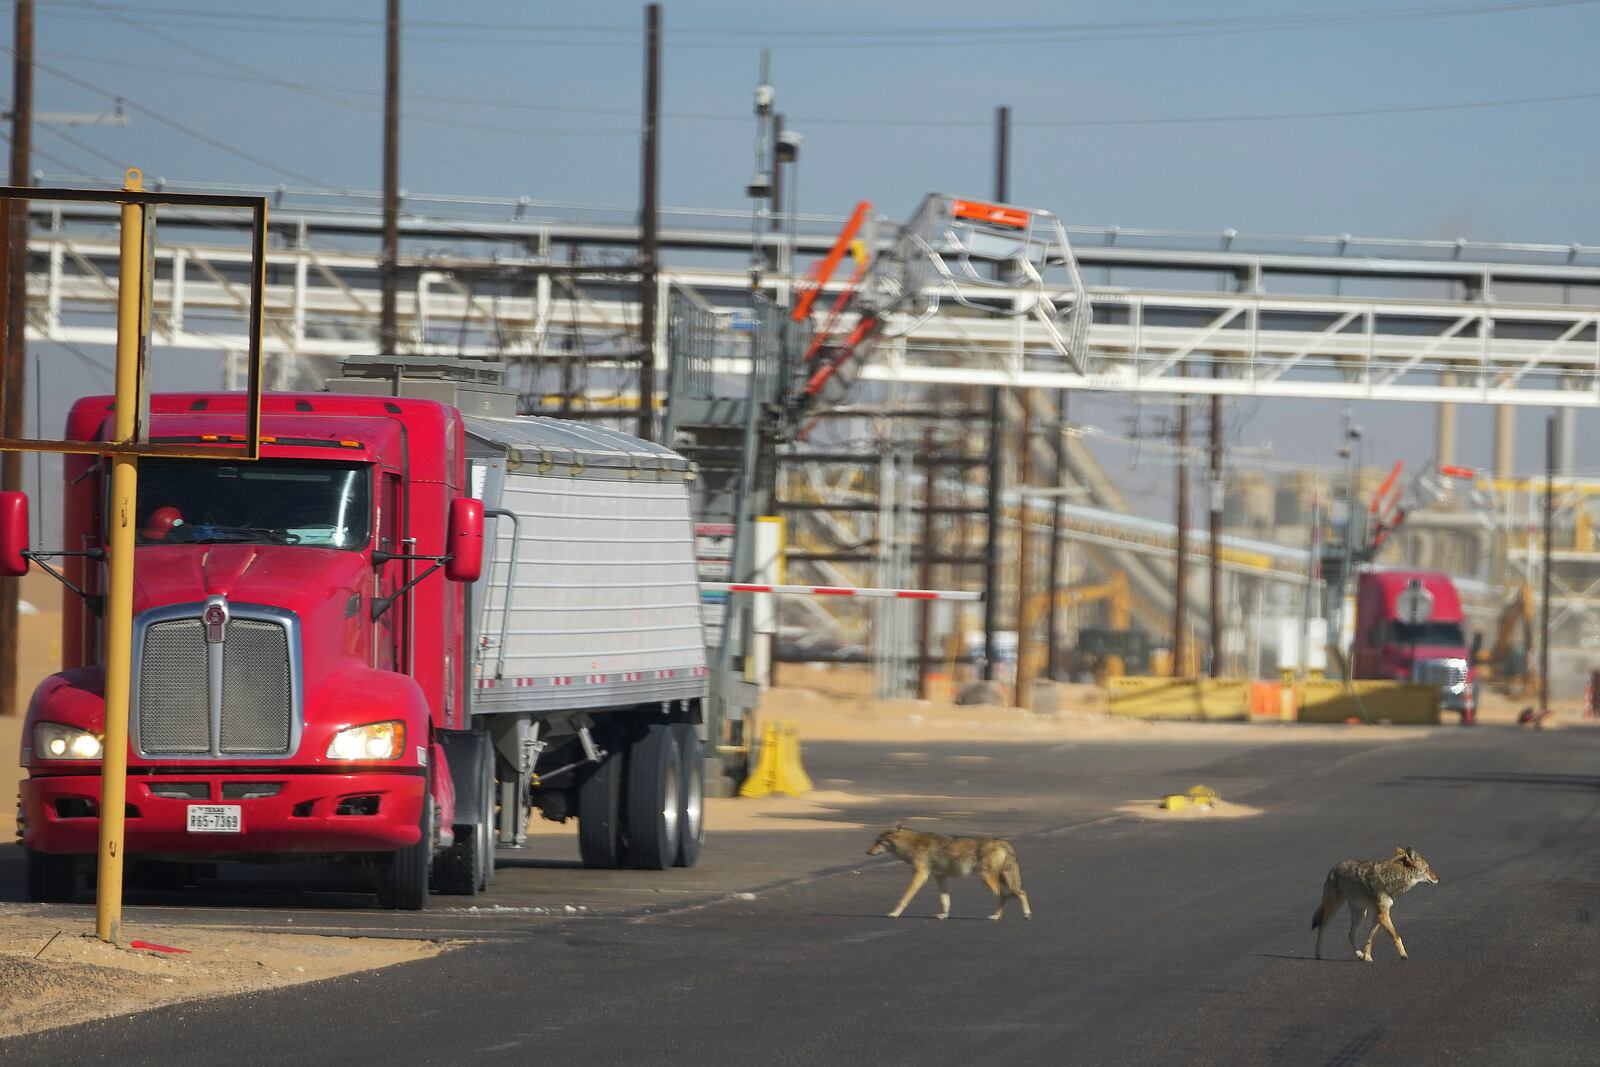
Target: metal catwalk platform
1266	316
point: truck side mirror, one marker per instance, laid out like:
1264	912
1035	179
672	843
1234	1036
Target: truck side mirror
464	540
13	535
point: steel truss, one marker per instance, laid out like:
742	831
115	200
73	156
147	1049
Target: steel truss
1444	330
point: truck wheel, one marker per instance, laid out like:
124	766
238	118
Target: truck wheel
52	878
600	814
692	808
403	875
655	799
467	866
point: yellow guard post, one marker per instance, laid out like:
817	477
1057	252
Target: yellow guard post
778	769
132	319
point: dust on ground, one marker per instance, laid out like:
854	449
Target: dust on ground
54	972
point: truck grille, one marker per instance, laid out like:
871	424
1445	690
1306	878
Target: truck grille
1444	673
177	713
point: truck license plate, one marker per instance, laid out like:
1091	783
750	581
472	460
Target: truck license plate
215	819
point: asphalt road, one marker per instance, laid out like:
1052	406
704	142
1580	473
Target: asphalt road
1152	942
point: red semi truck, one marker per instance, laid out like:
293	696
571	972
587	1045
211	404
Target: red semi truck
1433	652
306	685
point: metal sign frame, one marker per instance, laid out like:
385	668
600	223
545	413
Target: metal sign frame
135	446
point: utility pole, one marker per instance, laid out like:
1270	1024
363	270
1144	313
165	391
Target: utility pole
1025	617
649	222
1544	606
991	543
925	579
1053	582
1214	589
777	187
991	536
1180	595
389	269
16	343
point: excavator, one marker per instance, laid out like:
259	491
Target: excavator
1508	663
1102	651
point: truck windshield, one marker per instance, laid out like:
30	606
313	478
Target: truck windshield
1429	633
274	502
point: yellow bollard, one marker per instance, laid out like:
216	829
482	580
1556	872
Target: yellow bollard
778	768
133	311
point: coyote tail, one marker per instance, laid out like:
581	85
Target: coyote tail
1330	896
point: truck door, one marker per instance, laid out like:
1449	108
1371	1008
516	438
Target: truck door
389	632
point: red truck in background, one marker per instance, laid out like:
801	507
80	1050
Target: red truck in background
307	684
1432	653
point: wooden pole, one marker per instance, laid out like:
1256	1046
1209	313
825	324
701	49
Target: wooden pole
649	223
15	354
1180	596
1214	529
1052	634
389	267
925	609
1026	617
1544	606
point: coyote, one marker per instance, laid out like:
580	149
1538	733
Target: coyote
952	857
1370	885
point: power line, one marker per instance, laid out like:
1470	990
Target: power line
328	95
815	120
500	32
57	160
186	130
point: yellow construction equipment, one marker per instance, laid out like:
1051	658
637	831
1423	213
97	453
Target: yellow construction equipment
1509	661
1119	599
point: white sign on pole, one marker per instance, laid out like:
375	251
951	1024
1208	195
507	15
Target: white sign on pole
1288	644
1414	605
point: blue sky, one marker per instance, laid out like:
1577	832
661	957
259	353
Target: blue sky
895	99
1502	172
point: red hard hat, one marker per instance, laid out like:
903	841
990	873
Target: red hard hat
160	523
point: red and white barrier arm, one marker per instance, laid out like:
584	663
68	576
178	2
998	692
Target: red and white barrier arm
838	590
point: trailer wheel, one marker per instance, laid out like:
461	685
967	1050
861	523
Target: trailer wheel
600	814
692	803
655	799
467	866
403	875
52	877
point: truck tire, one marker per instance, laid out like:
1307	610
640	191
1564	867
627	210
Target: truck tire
600	814
655	799
467	866
403	875
692	806
52	878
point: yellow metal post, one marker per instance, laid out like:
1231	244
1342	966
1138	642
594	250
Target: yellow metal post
131	325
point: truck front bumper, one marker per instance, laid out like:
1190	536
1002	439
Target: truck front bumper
369	811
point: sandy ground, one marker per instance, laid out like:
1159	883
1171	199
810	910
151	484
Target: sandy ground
54	972
834	705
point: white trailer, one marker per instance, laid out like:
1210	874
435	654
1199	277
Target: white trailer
589	661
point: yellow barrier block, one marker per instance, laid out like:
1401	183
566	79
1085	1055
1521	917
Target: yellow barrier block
1175	802
1179	698
1373	700
778	768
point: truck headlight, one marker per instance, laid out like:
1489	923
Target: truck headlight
377	740
51	740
